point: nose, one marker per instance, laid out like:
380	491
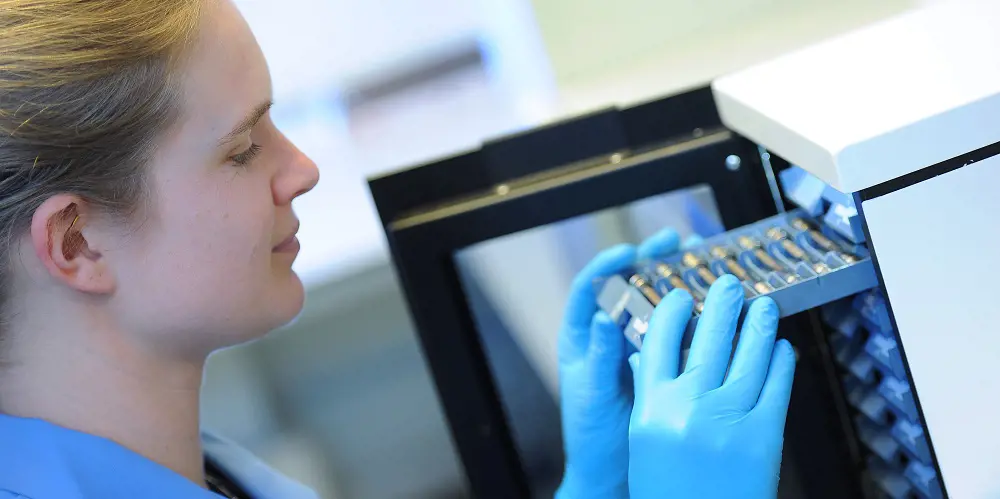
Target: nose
298	177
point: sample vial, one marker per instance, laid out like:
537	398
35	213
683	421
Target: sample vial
778	234
675	280
731	264
822	241
706	274
640	283
755	246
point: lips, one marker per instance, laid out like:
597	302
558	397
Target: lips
290	243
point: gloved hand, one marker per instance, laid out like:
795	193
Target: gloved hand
702	433
595	383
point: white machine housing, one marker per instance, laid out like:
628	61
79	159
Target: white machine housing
905	115
878	103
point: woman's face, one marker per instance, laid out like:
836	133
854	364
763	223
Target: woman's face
210	266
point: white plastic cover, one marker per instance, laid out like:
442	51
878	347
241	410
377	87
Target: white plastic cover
880	102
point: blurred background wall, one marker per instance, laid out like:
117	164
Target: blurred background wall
342	399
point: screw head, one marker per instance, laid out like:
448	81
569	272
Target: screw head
733	162
616	158
502	189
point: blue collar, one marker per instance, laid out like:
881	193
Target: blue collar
40	460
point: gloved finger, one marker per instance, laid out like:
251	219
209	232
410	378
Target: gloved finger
607	349
713	338
777	391
753	354
661	345
659	245
582	302
692	241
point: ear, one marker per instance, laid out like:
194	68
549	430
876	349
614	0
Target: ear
59	229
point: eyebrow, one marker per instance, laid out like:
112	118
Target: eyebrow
248	122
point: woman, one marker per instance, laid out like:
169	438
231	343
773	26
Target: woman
145	207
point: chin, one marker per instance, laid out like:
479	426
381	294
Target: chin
287	301
279	306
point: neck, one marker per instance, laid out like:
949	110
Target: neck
146	404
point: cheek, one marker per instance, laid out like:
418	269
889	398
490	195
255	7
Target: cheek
230	228
216	234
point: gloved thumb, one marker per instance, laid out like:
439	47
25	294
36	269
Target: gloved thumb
607	346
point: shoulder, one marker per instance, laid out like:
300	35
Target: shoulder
251	473
31	464
40	460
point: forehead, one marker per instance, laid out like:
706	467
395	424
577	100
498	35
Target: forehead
225	75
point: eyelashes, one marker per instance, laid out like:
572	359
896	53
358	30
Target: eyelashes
244	158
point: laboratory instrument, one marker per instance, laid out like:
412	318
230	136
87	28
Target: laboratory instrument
842	174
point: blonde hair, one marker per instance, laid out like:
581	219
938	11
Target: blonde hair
86	88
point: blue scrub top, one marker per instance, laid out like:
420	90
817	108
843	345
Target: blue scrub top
39	460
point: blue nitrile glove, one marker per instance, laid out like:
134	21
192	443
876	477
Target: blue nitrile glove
702	433
595	383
